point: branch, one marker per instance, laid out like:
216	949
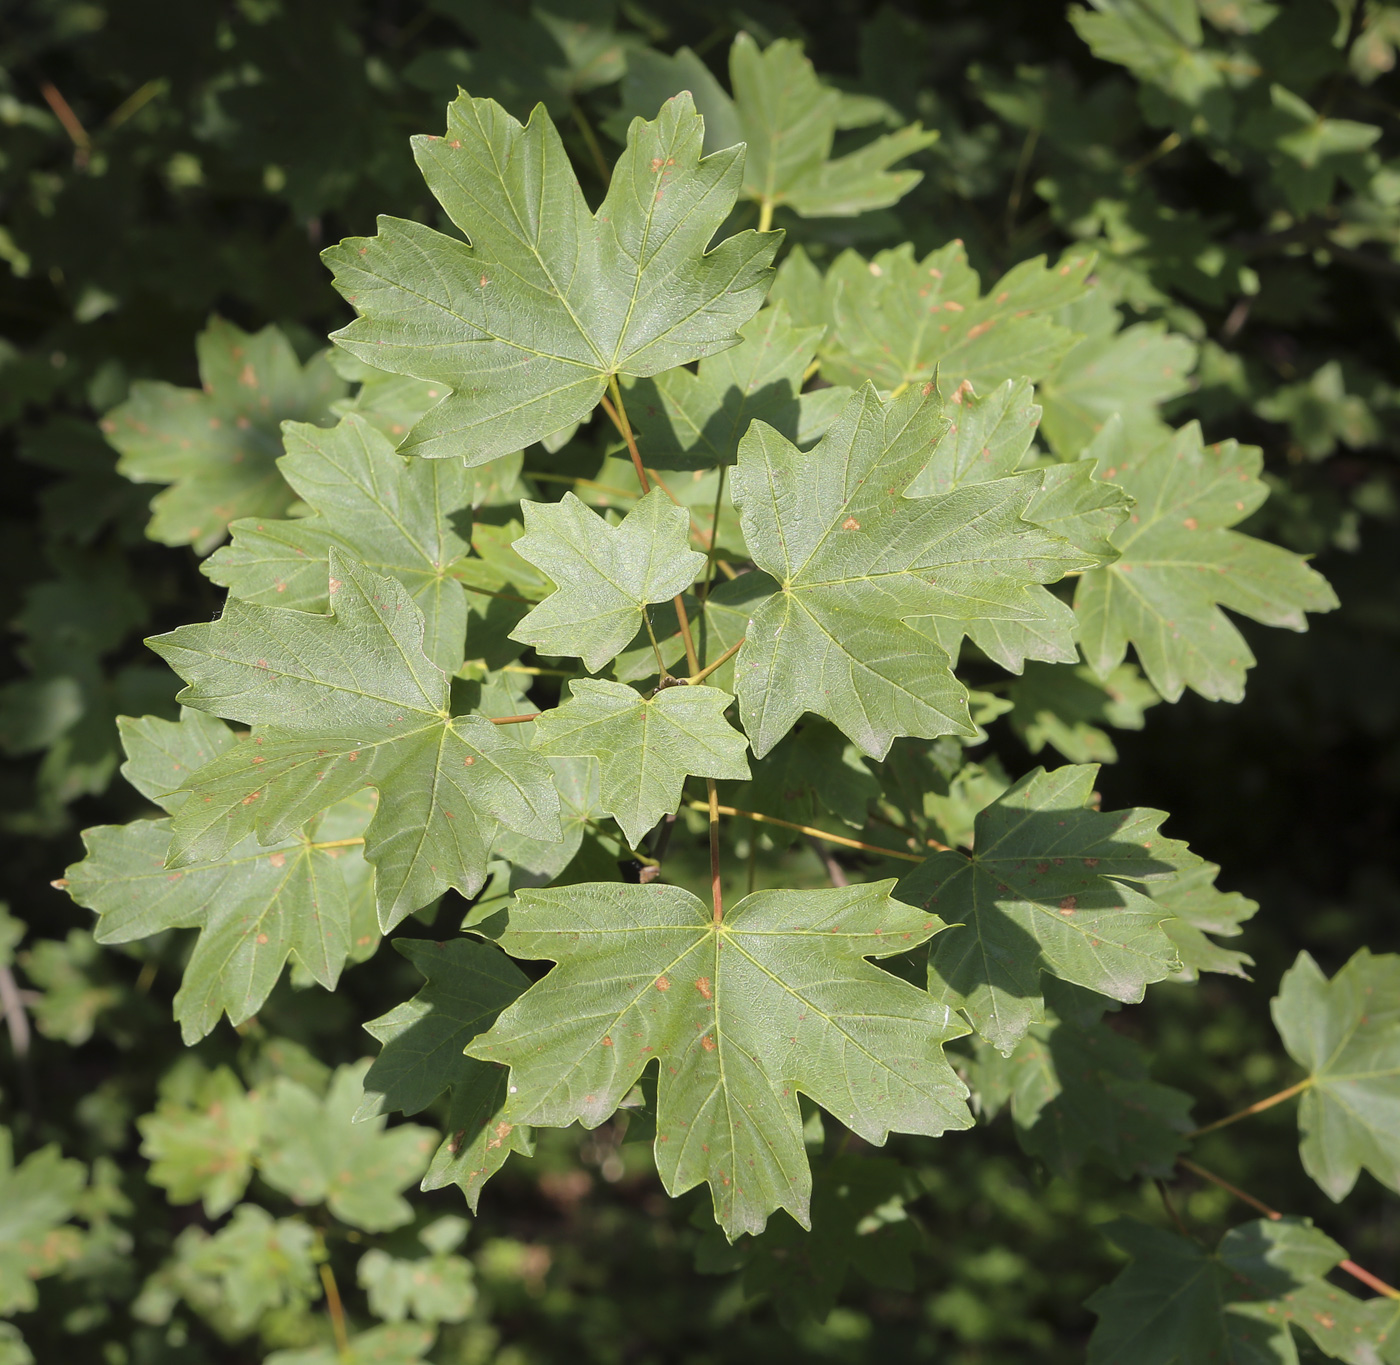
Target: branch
1257	1107
810	830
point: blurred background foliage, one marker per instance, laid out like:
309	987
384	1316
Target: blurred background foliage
1236	166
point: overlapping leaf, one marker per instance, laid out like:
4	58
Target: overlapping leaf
37	1199
339	703
1238	1305
1078	1089
605	575
686	420
1067	708
1050	887
739	1016
645	747
896	320
1196	908
788	118
409	519
313	1152
528	322
861	572
218	446
308	894
468	986
1180	563
1346	1034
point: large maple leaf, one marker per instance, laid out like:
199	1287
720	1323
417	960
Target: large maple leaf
342	702
740	1016
529	321
862	571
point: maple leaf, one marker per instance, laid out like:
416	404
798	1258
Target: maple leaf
398	517
437	1287
739	1016
218	446
393	1343
37	1198
1064	707
313	1152
605	575
1048	888
307	895
895	320
1196	908
860	571
1179	563
339	703
812	769
1177	1302
1346	1034
788	118
645	747
203	1146
469	984
686	420
529	321
1079	1089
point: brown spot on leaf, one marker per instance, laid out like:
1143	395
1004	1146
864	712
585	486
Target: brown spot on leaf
703	986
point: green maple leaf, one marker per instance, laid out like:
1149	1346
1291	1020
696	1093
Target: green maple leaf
437	1287
218	446
306	895
339	703
1198	908
1048	888
254	1265
686	420
605	575
1179	563
398	517
739	1017
989	438
788	118
1346	1034
1128	373
314	1152
202	1146
390	1344
37	1198
860	570
1065	708
1078	1089
1177	1302
895	320
469	984
528	323
645	747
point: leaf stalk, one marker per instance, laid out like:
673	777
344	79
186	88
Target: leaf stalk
810	830
1257	1107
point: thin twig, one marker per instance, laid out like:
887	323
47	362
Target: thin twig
1349	1266
1170	1207
810	830
617	412
72	125
335	1309
1257	1107
834	871
512	720
15	1018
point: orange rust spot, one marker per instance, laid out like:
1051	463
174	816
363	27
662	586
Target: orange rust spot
1190	523
250	798
277	859
850	524
1069	905
607	1042
703	986
468	761
707	1043
662	983
262	938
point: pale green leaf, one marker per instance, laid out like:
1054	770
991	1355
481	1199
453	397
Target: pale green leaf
605	575
37	1198
408	519
1197	908
739	1016
390	1344
339	703
527	322
862	572
1180	563
314	1152
217	446
1345	1033
645	747
1065	708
